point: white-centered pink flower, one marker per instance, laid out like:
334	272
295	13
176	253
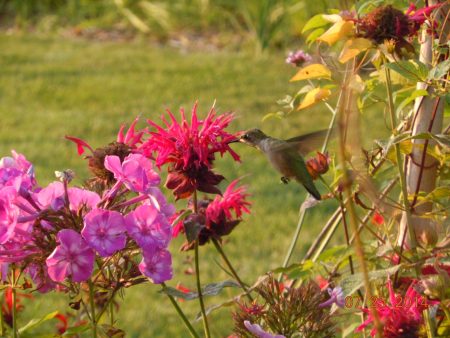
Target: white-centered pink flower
104	231
156	265
148	227
72	258
136	172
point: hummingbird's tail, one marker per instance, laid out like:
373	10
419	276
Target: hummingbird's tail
312	190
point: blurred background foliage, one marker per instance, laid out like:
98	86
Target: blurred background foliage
223	23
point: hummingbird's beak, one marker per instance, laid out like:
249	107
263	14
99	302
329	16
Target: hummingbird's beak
237	139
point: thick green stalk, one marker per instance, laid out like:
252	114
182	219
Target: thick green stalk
197	276
182	315
92	304
398	156
233	271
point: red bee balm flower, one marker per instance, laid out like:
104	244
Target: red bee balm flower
189	149
399	320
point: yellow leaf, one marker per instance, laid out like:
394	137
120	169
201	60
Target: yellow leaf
336	32
357	84
354	47
313	71
314	96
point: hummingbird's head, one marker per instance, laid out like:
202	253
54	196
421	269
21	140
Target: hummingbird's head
253	137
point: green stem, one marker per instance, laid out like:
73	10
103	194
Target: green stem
301	218
197	277
233	271
14	300
398	155
2	324
182	315
92	304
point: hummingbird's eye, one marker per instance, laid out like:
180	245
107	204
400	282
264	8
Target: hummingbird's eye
245	137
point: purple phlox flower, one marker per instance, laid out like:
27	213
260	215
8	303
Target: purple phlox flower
16	171
259	332
9	213
336	297
40	277
136	172
79	198
159	201
149	228
52	196
156	265
104	231
298	58
72	258
4	272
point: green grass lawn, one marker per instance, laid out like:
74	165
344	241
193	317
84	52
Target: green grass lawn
50	87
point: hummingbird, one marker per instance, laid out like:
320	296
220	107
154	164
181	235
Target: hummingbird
286	156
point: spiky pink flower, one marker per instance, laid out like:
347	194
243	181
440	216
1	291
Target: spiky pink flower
218	217
136	172
148	227
72	258
104	231
234	200
404	318
156	264
189	149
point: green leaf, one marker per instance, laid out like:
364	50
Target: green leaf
297	271
350	329
412	70
315	22
440	70
353	283
213	308
314	35
72	331
35	322
212	289
192	228
415	94
334	253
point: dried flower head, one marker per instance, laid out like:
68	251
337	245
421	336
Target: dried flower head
318	165
285	311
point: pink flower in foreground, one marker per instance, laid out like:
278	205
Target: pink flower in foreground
189	150
104	231
156	265
16	171
159	201
148	227
72	258
52	196
136	172
259	332
8	213
405	318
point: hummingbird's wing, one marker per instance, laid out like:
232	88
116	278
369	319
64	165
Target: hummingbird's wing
309	142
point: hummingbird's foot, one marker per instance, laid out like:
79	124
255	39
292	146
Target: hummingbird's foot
285	180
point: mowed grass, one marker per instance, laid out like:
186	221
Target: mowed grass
50	87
